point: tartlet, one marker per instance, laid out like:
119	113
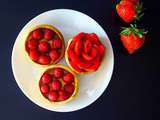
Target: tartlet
44	45
84	53
58	84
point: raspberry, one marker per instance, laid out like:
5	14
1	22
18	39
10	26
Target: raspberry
43	59
54	55
57	43
53	95
44	89
32	44
69	88
43	46
46	78
56	85
58	72
68	78
62	95
34	55
37	34
48	34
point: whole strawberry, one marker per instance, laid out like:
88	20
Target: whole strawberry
132	38
129	10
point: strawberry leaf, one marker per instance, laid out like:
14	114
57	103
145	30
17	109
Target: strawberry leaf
134	30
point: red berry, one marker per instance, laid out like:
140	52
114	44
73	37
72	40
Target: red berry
58	72
32	44
46	78
68	78
37	34
69	88
44	89
48	34
54	55
63	95
34	55
57	43
43	59
53	96
56	85
43	46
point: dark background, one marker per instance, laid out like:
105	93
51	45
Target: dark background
129	95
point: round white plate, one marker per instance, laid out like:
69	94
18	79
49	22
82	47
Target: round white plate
70	23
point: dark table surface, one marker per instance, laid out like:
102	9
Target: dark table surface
129	93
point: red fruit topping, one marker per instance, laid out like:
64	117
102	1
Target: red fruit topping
57	43
37	34
34	55
63	95
69	88
132	38
43	59
48	34
56	85
44	89
53	96
32	44
94	39
85	52
58	72
46	78
54	55
68	78
43	46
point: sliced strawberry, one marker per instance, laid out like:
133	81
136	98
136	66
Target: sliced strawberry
94	64
48	34
74	65
44	60
53	96
34	55
101	49
80	63
37	34
86	56
43	46
87	46
78	47
94	38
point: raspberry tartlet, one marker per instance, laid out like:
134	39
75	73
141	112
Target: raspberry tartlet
84	53
58	84
45	45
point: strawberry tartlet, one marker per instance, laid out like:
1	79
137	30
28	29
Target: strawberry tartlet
84	53
58	84
45	45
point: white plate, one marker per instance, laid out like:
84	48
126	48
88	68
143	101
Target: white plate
69	22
